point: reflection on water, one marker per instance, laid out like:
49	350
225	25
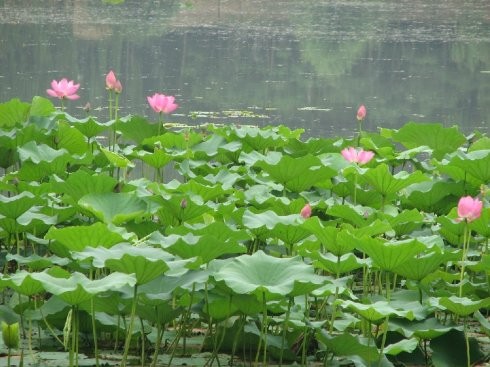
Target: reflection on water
305	63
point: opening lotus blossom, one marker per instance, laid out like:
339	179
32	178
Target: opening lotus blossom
64	89
162	103
469	208
357	156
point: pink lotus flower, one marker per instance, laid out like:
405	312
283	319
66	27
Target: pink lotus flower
469	209
357	156
306	211
162	103
64	89
361	112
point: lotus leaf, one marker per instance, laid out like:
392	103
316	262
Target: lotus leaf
262	274
115	208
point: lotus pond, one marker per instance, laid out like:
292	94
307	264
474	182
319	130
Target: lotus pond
135	243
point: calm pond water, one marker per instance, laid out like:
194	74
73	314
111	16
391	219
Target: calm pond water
307	63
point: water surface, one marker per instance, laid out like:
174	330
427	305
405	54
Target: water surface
308	64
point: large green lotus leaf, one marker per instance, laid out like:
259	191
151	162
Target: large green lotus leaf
179	141
156	159
225	177
484	322
136	128
377	311
268	219
450	350
426	329
451	230
14	206
440	139
78	288
211	145
40	153
192	187
430	196
405	345
388	255
261	274
374	228
163	288
115	208
76	238
69	138
289	234
463	306
36	262
205	247
381	179
173	212
338	242
313	146
482	265
146	263
89	126
161	314
13	112
24	283
219	306
81	183
405	222
354	215
480	225
116	159
348	345
219	230
418	267
253	157
336	265
298	174
475	163
41	106
259	139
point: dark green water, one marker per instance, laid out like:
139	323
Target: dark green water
307	64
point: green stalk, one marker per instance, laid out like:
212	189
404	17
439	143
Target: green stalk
182	327
284	329
142	343
160	122
385	327
130	327
466	245
467	342
263	334
305	334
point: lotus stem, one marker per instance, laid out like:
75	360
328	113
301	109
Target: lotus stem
467	341
263	334
284	329
142	342
305	333
94	332
130	327
182	327
466	245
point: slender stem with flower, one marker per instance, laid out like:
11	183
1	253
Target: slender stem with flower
361	115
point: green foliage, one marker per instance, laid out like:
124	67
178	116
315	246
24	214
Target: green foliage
203	226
